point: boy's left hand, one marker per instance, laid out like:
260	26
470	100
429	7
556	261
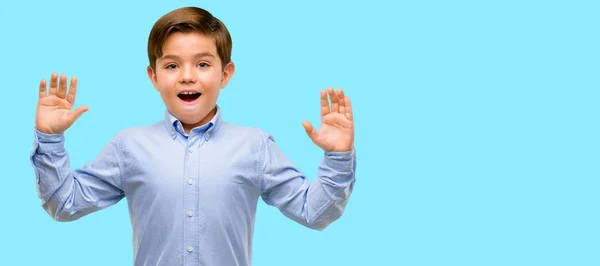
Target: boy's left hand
337	123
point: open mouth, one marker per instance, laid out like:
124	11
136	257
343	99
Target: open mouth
189	96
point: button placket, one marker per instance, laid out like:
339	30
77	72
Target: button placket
191	202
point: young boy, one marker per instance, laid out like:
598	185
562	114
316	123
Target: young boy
192	181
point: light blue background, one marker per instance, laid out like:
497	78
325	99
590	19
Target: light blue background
476	124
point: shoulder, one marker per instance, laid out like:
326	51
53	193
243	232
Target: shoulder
245	138
131	132
141	133
248	133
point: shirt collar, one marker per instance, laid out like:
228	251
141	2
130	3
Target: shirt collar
174	126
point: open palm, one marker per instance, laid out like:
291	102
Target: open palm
336	132
54	115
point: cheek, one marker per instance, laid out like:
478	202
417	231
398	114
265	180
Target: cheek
211	80
165	80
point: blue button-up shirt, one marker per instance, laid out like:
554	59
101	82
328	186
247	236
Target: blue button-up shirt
192	198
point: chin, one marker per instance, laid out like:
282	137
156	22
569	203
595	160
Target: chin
188	118
192	118
191	114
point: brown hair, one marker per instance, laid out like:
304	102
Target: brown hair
189	19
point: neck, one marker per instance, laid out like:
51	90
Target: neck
188	127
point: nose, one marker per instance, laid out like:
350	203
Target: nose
187	75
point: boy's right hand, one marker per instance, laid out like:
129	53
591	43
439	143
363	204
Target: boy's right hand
54	115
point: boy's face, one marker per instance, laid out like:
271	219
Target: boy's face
189	77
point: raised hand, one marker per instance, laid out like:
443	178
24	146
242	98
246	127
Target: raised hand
337	124
54	115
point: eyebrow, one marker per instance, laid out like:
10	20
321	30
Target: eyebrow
174	57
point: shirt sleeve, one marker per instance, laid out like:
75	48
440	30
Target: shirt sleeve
67	194
313	204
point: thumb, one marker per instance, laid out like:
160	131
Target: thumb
73	116
310	131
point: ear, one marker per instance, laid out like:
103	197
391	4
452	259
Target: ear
152	76
227	74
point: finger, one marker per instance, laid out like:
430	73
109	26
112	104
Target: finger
334	100
62	86
73	116
348	104
341	101
324	103
53	83
310	130
72	90
42	88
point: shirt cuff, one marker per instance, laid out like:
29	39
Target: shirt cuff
342	161
48	143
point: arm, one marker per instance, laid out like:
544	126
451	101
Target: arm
316	204
68	195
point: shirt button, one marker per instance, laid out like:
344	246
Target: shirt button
172	133
208	134
190	249
189	213
190	181
191	150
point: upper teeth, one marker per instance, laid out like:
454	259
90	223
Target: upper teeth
188	92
